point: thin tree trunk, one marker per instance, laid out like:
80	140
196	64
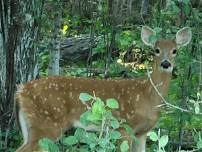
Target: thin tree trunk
144	7
54	64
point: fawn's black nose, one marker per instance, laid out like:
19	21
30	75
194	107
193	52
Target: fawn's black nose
165	64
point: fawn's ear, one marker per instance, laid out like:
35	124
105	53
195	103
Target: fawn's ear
183	37
146	33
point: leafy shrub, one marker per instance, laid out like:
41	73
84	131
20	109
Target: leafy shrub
106	136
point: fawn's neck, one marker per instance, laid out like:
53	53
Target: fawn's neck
161	79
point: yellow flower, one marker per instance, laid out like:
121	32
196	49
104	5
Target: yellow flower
141	66
64	29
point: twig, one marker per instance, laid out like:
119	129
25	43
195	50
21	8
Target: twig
163	99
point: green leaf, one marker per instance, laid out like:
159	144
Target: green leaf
71	140
90	138
94	117
199	144
112	103
79	133
84	118
47	144
124	147
83	150
187	9
160	150
158	29
192	101
115	135
153	136
197	108
200	42
163	140
92	145
186	2
85	97
103	142
115	124
98	107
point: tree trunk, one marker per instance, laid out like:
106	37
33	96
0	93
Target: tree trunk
19	30
144	7
54	64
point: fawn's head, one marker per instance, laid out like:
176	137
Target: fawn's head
166	50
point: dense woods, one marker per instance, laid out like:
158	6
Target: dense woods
101	39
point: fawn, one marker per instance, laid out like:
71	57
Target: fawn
50	105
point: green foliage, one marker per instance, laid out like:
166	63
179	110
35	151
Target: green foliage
125	39
48	145
162	140
85	97
198	140
104	139
124	146
112	103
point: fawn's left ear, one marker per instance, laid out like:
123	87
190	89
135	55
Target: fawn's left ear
183	37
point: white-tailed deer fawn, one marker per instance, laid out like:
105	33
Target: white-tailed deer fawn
49	106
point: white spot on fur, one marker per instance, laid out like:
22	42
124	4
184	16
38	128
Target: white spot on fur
122	107
150	89
46	112
58	109
70	94
138	97
35	85
73	111
119	96
128	116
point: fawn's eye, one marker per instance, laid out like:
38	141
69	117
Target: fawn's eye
157	51
174	51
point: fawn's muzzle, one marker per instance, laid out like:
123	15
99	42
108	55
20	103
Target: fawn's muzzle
165	64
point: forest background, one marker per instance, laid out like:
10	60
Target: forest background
101	38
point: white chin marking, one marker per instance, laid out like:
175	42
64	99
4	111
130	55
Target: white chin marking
169	70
